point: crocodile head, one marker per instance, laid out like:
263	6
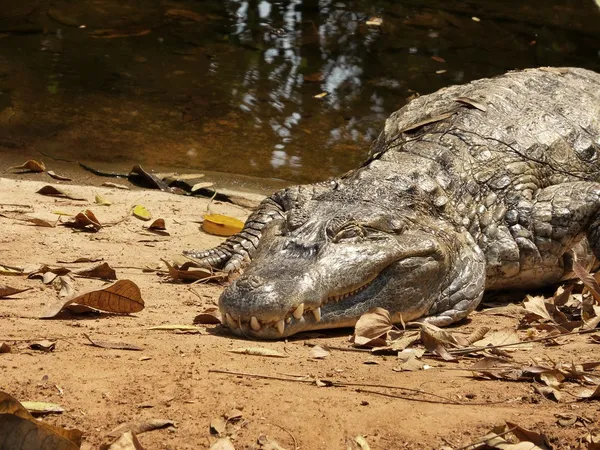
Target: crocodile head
326	265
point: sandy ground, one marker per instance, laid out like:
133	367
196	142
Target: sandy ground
101	388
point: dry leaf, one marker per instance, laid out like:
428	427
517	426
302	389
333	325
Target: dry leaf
588	280
469	101
42	407
6	291
45	345
184	274
10	407
67	289
102	201
17	432
158	224
4	347
408	360
102	271
218	426
85	220
266	443
321	95
199	186
360	443
222	444
210	316
141	212
258	351
55	192
590	394
318	352
127	441
221	225
372	327
30	166
113	345
437	340
115	185
438	59
58	177
122	297
39	222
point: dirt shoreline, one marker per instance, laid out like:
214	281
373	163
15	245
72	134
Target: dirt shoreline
101	388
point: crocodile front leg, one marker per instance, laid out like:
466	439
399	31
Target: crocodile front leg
236	252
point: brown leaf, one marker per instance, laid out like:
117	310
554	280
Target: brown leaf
115	185
372	327
39	222
158	224
122	297
45	346
85	220
55	192
223	443
408	360
318	352
525	435
58	177
127	441
10	408
210	316
474	103
549	392
436	340
587	279
218	426
67	290
18	433
113	345
184	274
6	291
30	166
590	394
4	347
102	271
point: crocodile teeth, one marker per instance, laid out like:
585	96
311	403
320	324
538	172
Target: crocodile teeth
299	311
280	326
255	324
317	313
230	322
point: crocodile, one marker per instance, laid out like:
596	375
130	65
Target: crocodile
490	185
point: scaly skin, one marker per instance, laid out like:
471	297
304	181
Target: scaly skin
488	185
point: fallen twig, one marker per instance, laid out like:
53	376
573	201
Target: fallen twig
444	400
288	432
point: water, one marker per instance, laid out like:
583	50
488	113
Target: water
234	86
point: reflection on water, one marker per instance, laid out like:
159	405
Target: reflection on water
293	89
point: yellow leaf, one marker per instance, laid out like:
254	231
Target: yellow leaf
30	166
221	225
102	201
141	212
321	95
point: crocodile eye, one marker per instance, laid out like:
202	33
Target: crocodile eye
349	231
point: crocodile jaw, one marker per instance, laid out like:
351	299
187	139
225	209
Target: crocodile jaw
366	276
